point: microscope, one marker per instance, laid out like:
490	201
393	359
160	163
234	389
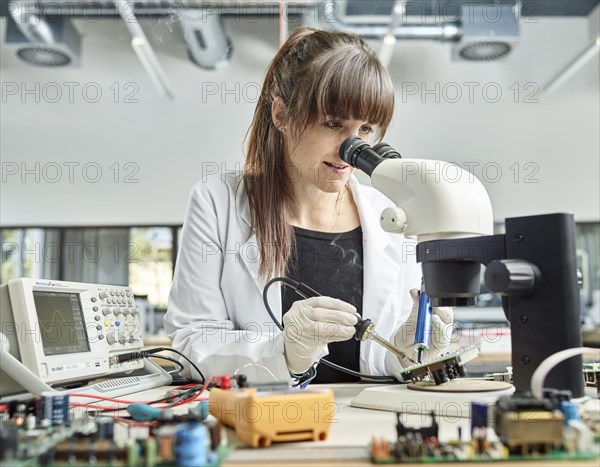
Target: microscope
532	266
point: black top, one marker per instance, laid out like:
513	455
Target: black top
332	264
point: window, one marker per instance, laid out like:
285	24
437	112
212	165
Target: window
150	258
24	253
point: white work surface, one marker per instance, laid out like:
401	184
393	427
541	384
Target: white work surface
349	436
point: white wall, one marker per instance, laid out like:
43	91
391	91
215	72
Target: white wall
171	143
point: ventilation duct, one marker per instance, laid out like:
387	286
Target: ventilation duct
208	45
333	17
479	31
49	41
488	32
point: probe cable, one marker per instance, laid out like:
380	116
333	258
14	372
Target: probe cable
307	292
124	357
176	398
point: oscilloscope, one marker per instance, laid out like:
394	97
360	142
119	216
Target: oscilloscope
64	332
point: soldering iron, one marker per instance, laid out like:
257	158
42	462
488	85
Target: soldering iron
365	328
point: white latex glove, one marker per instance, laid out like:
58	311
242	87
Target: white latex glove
310	325
441	331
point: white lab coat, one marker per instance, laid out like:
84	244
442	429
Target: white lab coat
216	314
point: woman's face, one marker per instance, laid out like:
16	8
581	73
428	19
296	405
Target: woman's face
313	158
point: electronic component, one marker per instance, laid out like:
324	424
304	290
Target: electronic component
54	408
261	418
8	441
442	368
479	426
527	425
591	375
426	432
191	444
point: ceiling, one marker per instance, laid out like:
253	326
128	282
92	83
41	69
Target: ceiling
350	7
430	7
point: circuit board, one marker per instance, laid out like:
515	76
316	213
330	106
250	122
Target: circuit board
464	452
81	444
525	429
441	369
51	430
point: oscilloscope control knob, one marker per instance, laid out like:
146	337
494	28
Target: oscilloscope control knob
122	338
110	337
103	295
106	311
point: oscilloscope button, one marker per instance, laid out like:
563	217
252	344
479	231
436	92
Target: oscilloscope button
103	295
94	299
106	311
99	327
97	317
110	338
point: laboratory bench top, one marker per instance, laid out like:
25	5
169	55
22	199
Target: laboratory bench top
349	437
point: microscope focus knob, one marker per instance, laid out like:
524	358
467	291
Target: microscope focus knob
511	277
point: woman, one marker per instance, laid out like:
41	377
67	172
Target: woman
298	211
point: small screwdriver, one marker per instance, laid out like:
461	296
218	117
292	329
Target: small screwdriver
423	330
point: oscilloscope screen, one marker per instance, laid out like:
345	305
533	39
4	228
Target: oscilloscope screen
61	323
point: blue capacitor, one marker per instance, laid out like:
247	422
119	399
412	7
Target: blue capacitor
479	415
570	411
55	408
190	444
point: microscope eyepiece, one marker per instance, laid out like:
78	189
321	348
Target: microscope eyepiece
359	154
386	151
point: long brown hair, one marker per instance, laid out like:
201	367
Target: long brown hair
316	73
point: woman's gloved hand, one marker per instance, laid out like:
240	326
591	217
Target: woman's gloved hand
310	325
442	319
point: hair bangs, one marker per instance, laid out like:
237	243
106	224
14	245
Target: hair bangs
354	86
